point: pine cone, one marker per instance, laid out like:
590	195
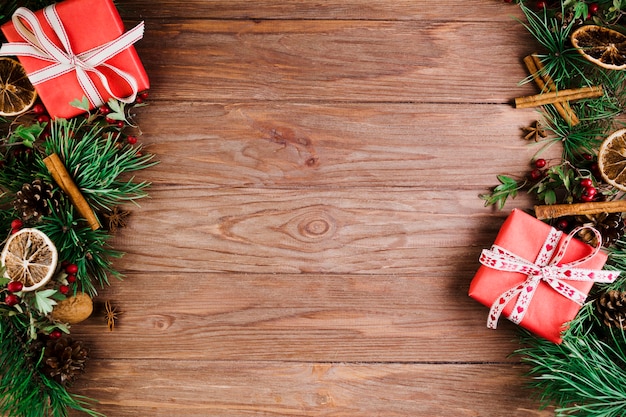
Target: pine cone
610	226
64	359
611	307
35	200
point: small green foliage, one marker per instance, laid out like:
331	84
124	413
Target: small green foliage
44	301
508	188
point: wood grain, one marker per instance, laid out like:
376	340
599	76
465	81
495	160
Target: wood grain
365	61
282	145
315	219
421	317
247	388
471	10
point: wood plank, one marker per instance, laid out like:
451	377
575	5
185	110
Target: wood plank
336	61
420	317
391	231
245	388
446	10
270	145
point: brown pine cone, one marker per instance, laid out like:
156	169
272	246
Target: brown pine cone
35	200
611	307
610	226
64	359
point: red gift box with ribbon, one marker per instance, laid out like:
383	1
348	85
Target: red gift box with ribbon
75	49
537	276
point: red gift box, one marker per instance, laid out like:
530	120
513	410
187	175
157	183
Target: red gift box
88	24
546	284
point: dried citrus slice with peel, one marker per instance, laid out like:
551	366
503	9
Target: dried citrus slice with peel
602	46
29	257
17	94
612	159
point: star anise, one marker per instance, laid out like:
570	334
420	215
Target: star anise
534	131
116	218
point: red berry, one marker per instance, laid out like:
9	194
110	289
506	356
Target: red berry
586	182
43	118
587	157
71	279
536	174
15	286
17	224
120	124
55	334
64	289
71	269
586	198
593	8
131	139
540	163
143	95
109	120
562	224
541	4
104	109
39	109
138	100
590	191
11	299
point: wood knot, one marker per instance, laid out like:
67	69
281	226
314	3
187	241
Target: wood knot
316	225
161	322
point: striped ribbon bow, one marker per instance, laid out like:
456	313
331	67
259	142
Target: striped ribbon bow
64	60
546	268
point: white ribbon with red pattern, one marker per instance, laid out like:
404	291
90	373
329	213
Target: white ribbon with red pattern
546	268
64	60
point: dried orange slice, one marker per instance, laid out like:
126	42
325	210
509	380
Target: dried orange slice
17	94
602	46
612	159
29	257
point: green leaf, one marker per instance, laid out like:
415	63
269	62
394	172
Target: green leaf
81	104
508	188
43	302
549	197
581	10
27	134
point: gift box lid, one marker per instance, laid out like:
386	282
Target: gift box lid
88	24
549	311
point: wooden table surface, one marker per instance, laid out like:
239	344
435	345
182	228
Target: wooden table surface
314	222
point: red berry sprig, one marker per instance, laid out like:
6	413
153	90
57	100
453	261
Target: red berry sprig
16	225
11	300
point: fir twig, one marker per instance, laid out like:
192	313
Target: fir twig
583	376
24	390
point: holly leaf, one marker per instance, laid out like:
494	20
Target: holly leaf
43	302
4	281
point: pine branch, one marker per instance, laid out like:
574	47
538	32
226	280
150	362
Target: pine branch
77	243
583	376
24	390
97	164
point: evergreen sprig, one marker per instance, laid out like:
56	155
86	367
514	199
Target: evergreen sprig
24	390
583	376
97	163
79	244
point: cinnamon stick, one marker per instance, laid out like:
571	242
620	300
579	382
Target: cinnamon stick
66	183
554	211
560	96
545	83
